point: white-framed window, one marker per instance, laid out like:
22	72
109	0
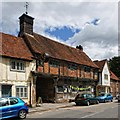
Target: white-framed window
105	76
22	91
17	65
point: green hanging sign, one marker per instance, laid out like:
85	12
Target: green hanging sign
79	89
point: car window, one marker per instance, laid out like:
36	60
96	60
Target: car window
102	94
13	101
92	95
4	102
89	95
109	95
82	95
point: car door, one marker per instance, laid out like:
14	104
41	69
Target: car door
89	97
4	108
14	106
109	97
93	99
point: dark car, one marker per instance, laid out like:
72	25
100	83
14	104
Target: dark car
13	107
118	97
105	97
86	99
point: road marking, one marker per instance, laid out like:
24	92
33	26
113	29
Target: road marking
92	114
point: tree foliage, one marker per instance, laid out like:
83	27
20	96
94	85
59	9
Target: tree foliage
115	65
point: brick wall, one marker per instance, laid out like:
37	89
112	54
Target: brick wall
63	70
115	87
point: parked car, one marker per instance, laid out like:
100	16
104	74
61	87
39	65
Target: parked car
13	107
118	97
86	99
105	97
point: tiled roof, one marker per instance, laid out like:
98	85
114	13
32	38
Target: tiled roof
113	76
100	64
41	44
14	47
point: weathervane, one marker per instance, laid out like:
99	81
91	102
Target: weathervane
26	6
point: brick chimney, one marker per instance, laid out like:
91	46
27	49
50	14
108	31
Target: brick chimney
26	24
79	47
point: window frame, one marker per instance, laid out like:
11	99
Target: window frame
17	65
22	94
72	66
106	76
54	63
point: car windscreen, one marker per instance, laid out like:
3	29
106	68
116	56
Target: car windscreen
82	96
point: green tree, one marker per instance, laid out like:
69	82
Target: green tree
115	65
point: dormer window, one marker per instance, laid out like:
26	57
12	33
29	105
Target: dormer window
17	65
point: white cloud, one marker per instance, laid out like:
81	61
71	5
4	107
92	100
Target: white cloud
99	41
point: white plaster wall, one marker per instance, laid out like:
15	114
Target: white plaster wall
0	90
106	71
7	74
16	78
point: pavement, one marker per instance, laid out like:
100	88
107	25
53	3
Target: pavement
50	106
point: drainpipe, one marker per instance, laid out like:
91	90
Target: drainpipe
30	95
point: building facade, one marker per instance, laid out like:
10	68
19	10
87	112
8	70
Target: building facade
114	84
61	71
34	67
104	76
15	67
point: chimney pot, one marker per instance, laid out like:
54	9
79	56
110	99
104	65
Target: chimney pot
79	47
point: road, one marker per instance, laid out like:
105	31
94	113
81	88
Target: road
102	110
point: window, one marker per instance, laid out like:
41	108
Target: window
4	102
40	63
54	63
60	89
95	73
87	69
21	92
72	66
105	76
13	101
17	65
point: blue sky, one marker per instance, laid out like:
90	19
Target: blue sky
66	32
62	33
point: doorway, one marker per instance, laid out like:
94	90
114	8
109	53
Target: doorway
6	90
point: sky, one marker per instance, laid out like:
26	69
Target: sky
94	25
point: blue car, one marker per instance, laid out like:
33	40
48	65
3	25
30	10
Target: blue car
13	107
105	97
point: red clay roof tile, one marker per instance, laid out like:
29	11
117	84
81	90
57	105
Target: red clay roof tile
100	64
113	76
41	44
14	47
